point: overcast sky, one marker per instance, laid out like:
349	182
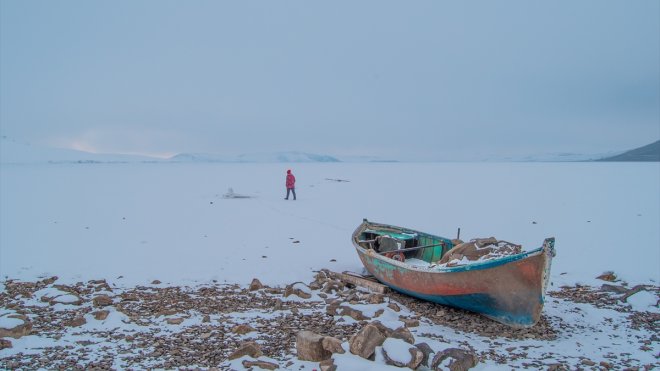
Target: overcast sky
404	79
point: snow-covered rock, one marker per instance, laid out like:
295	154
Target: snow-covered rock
401	354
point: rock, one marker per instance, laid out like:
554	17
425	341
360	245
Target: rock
415	360
309	347
394	306
5	344
352	298
417	357
613	288
409	322
242	329
365	341
174	321
379	313
376	299
296	289
206	319
328	365
77	322
331	287
101	315
129	297
460	360
102	301
332	345
166	312
250	348
260	364
331	309
156	282
353	313
256	285
607	276
588	362
426	351
392	362
323	275
21	329
606	365
404	334
386	331
205	335
48	281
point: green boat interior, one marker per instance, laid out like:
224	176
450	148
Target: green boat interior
404	245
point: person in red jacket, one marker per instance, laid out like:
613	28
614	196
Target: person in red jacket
290	185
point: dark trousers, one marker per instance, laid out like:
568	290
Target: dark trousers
293	190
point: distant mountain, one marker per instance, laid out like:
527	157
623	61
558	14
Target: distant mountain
365	159
552	157
255	157
17	152
200	157
286	157
650	152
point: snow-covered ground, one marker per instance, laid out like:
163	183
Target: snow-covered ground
170	221
132	223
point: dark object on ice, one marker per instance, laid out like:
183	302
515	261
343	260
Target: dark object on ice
337	180
508	287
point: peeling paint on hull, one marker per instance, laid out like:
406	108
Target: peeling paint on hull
510	290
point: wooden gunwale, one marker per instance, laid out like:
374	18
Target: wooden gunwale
474	266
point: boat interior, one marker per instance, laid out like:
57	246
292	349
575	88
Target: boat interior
404	245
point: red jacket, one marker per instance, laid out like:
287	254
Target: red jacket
290	181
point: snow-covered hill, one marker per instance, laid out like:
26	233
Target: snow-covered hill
275	157
13	151
18	152
553	157
649	152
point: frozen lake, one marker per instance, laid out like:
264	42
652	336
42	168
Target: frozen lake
169	221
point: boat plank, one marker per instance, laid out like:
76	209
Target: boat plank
370	285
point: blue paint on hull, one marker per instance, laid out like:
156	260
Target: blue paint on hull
479	303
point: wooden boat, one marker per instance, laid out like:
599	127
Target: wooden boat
510	289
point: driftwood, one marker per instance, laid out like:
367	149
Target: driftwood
362	281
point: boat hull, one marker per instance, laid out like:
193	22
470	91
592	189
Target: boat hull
510	290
